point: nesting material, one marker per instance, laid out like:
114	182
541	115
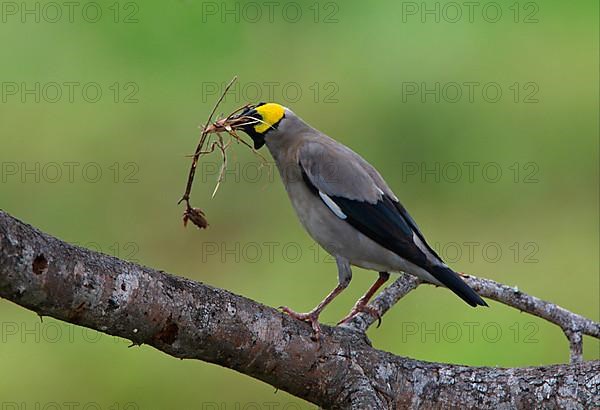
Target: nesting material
208	144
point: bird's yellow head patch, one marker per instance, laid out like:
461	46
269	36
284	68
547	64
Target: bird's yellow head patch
271	114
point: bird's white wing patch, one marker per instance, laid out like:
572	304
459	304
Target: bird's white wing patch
332	205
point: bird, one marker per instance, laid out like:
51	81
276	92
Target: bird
346	206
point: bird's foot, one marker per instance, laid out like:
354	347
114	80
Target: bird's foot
311	317
362	307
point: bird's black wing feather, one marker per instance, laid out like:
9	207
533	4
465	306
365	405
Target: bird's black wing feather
382	222
388	223
414	226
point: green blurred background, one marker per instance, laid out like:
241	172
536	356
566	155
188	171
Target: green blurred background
359	72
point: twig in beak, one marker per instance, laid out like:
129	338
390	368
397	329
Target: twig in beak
222	147
196	215
229	125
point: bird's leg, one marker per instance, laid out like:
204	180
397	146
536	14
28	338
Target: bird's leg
312	317
362	303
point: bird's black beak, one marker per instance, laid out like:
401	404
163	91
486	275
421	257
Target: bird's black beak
245	121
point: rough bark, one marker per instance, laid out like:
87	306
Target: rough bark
191	320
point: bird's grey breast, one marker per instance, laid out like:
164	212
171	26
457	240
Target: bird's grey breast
320	220
312	212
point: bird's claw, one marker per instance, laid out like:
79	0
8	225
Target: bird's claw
362	308
309	317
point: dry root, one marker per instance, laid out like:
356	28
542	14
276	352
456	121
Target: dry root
229	124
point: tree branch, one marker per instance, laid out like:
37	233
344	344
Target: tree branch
191	320
573	325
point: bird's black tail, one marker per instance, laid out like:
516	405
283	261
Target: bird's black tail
452	281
